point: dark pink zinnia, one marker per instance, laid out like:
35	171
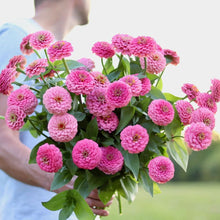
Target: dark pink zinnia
14	117
111	160
49	158
25	46
156	63
100	79
190	90
86	154
161	112
80	82
103	49
134	138
17	61
145	86
198	136
161	169
119	94
36	68
41	39
172	55
59	50
215	90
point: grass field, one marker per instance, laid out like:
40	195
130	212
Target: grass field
177	201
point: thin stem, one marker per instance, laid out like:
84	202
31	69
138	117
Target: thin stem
120	59
20	70
177	136
2	117
103	66
119	203
37	54
65	65
145	64
159	78
20	84
42	77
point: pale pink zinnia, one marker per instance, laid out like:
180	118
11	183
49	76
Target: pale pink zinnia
206	100
121	43
134	83
59	50
17	61
119	94
100	79
41	39
134	138
198	136
156	63
103	49
111	160
142	46
97	102
57	100
86	154
88	63
203	115
190	90
80	82
36	67
161	169
25	46
49	158
215	90
184	109
24	98
62	128
14	117
161	112
172	55
108	123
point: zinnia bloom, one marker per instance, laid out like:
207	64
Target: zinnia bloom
36	68
49	158
103	49
111	160
161	169
80	82
59	50
25	46
190	90
119	94
62	128
108	123
172	55
206	100
17	61
142	46
88	63
86	154
57	100
134	83
134	138
184	110
100	79
215	90
161	112
156	63
41	39
203	115
97	102
14	117
24	98
145	86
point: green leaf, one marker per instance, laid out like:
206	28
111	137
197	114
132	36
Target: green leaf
108	66
92	129
66	212
80	116
82	186
127	114
71	166
178	151
155	93
146	182
72	64
114	75
126	65
169	59
135	67
171	98
106	192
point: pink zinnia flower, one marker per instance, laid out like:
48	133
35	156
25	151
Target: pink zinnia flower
198	136
156	63
49	158
145	86
206	100
119	94
24	98
108	123
14	117
184	110
41	39
17	61
36	68
62	128
161	112
59	50
25	46
203	115
111	160
103	49
134	138
172	55
88	63
86	154
7	76
100	79
161	169
121	43
190	90
57	100
80	82
97	102
142	46
215	90
134	83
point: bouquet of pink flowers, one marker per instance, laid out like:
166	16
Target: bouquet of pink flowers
115	129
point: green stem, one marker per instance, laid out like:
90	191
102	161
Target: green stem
159	78
2	117
103	66
120	59
119	203
20	70
65	65
37	54
145	65
50	64
20	84
177	136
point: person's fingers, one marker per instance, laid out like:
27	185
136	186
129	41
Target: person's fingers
94	202
101	212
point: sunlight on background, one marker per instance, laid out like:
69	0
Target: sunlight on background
188	27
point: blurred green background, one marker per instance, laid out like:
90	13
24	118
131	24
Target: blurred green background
194	195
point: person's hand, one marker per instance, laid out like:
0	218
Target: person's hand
96	204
